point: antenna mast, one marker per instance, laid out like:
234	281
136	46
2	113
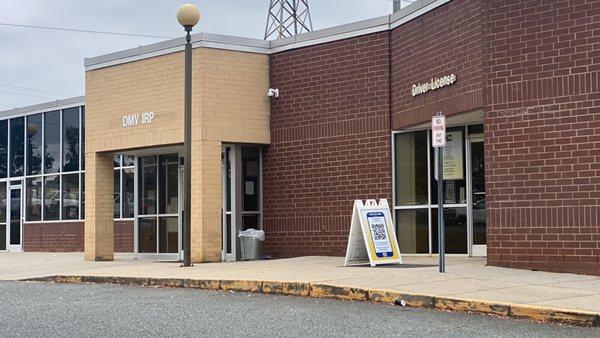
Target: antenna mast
287	18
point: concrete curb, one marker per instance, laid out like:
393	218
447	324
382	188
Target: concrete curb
317	290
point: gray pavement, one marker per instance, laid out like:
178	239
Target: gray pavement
40	309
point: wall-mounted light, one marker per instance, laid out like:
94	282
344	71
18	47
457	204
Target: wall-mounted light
273	92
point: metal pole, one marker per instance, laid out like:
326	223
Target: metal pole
441	228
187	175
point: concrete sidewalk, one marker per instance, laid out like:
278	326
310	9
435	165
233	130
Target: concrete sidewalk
466	279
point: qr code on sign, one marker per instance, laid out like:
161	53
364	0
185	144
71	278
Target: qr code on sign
378	230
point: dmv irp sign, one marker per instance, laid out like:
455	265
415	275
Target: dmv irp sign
372	238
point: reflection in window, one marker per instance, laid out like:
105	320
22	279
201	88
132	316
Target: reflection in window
128	192
33	199
412	230
147	235
117	194
34	144
2	215
71	139
128	161
3	147
168	235
70	195
455	184
82	195
51	142
147	185
17	146
168	183
455	222
51	198
411	168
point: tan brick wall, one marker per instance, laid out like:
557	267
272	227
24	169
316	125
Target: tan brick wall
230	105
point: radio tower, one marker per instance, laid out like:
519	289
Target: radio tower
287	18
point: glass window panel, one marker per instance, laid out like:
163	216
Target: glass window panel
117	161
147	186
2	236
70	195
17	146
2	202
128	161
3	147
455	222
250	222
82	139
15	216
82	195
51	198
168	180
33	201
128	193
71	139
412	230
147	235
479	204
52	142
168	235
117	194
250	183
455	187
34	144
411	168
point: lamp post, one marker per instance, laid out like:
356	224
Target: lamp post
188	16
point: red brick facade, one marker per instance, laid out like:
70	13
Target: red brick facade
534	69
330	143
542	134
68	236
445	41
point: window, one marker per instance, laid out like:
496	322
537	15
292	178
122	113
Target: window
117	194
33	199
124	186
82	141
147	187
34	144
82	202
51	142
168	184
2	215
51	198
70	139
17	146
70	196
3	147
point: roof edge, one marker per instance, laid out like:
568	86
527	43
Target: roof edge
219	41
45	106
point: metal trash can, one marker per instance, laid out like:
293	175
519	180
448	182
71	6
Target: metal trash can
251	241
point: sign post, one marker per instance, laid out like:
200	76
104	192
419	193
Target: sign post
438	140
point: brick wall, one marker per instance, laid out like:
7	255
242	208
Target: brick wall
68	236
542	134
330	143
53	237
444	41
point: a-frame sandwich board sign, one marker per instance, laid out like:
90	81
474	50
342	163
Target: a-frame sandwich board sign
372	238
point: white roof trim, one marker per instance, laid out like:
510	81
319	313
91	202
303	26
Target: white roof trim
43	107
218	41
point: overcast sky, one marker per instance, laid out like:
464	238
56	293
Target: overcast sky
53	60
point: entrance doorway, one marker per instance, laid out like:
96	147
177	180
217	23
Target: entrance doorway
14	230
415	191
158	211
241	170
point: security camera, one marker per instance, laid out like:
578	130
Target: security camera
273	92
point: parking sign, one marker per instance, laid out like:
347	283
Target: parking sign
438	131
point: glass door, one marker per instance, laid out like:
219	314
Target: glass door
477	200
3	226
242	202
15	226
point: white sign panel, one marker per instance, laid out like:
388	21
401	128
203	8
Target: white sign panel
438	131
453	157
372	238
